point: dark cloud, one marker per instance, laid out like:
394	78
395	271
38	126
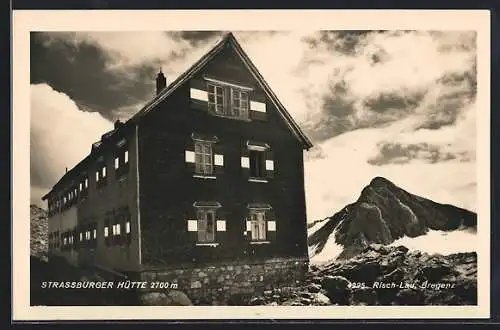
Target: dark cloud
395	101
344	42
80	70
338	110
195	37
397	153
460	90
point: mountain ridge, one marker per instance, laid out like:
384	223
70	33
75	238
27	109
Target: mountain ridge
384	213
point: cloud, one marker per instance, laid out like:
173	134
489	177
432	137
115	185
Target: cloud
110	72
381	77
397	153
60	136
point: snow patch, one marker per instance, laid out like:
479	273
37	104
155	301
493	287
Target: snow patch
316	227
442	242
330	251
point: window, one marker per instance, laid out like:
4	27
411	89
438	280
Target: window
216	99
239	103
258	225
83	186
257	164
116	229
206	225
88	235
100	175
203	157
121	161
228	101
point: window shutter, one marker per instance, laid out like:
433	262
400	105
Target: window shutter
270	164
189	155
245	161
257	106
198	94
271	225
218	161
192	225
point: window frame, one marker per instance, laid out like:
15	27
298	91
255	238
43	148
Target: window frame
121	160
260	224
226	108
203	222
257	164
199	152
213	105
101	175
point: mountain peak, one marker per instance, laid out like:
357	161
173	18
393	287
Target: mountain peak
380	181
384	213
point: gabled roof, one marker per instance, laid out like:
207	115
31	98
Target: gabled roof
197	66
178	82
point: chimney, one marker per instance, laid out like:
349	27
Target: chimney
161	82
66	170
118	123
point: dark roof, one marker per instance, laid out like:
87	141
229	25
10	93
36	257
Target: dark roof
179	81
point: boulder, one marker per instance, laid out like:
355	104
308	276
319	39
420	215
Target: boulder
366	296
337	289
314	288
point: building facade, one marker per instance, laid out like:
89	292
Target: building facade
203	187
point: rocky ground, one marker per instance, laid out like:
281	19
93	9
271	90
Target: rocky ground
383	275
39	228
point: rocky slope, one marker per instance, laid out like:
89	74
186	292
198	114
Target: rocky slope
382	275
39	228
384	213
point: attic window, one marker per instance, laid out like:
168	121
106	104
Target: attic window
228	100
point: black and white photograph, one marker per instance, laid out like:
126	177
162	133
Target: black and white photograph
264	168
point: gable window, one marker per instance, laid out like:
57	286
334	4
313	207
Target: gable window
228	100
203	157
216	99
239	101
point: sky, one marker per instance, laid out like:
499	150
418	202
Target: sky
397	104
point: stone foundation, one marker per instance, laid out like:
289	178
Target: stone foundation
229	283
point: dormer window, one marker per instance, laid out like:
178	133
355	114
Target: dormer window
228	100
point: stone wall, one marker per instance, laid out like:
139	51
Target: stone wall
230	283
